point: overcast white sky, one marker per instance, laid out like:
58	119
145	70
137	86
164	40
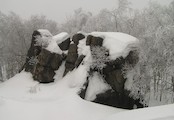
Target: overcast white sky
58	10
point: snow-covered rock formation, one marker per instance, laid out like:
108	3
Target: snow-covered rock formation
103	54
45	54
94	74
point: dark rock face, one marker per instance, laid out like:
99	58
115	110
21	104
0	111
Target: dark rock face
43	74
113	74
65	44
47	63
72	58
41	62
132	58
94	41
77	37
48	59
114	99
88	40
116	80
79	60
113	71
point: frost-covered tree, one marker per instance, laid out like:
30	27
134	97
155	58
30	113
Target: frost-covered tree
41	22
76	22
101	22
152	77
100	56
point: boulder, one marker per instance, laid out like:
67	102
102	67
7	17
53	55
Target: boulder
116	80
132	58
48	59
43	74
88	40
41	62
71	58
114	99
77	37
72	54
94	41
65	44
113	75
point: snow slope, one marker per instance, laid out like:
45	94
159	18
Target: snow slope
165	112
21	98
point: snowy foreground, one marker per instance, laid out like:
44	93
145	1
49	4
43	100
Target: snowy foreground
23	99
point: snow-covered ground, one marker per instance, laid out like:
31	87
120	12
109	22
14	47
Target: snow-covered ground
21	98
165	112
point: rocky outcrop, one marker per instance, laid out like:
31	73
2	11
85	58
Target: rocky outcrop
77	37
114	99
43	63
47	63
71	60
65	44
94	41
112	73
51	60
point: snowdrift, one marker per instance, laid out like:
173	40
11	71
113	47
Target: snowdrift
21	98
